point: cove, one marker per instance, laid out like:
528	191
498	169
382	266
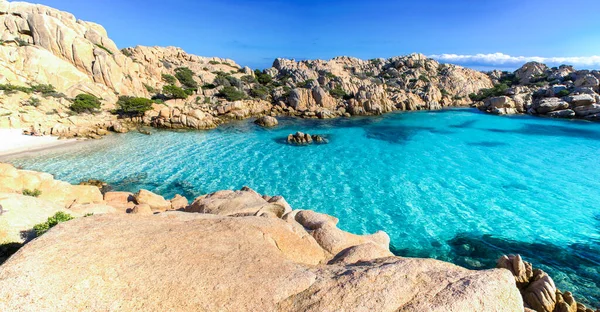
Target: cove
455	185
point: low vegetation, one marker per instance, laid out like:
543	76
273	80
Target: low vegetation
562	93
59	217
186	78
338	92
133	106
85	103
32	193
497	90
174	92
231	94
105	49
262	78
170	79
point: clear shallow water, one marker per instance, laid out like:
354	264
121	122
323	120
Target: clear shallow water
455	185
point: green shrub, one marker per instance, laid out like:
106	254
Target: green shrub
260	92
104	48
231	94
330	75
221	80
85	103
32	193
59	217
445	92
337	92
208	86
133	106
150	89
214	63
20	42
43	88
174	92
126	53
186	78
305	83
497	90
248	79
33	101
9	88
262	78
423	78
170	79
562	93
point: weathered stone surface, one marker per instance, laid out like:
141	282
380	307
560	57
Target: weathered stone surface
120	200
547	105
155	201
364	252
521	270
266	121
233	264
540	294
20	213
530	71
142	209
179	202
563	113
235	203
300	138
581	100
587	110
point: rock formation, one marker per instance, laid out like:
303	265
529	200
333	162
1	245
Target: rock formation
538	289
266	121
42	46
301	138
535	89
232	250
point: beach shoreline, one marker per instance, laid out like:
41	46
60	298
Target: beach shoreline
13	141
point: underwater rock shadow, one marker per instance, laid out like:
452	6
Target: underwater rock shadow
554	130
464	125
487	144
399	134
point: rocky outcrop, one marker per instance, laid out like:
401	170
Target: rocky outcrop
535	89
230	263
239	250
266	121
301	138
538	289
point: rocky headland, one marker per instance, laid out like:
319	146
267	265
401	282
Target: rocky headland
229	250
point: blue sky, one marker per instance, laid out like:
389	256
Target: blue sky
255	32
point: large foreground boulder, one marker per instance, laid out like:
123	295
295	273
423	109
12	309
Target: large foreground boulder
200	262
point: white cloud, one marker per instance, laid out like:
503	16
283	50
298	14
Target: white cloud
508	60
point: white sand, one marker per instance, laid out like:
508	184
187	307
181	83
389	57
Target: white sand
13	141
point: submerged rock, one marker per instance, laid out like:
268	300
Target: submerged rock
300	138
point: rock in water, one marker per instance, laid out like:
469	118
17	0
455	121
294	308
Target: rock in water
300	138
201	262
266	121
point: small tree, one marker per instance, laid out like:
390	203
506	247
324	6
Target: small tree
231	94
174	92
169	79
186	78
85	103
133	106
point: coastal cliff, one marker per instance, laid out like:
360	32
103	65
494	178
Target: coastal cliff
48	58
229	250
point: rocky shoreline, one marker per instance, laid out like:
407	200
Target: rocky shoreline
286	259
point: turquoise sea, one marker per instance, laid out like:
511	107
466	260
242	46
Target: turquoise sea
456	185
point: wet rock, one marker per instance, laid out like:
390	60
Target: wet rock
266	121
563	113
300	138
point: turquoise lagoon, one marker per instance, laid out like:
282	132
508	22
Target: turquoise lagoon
455	185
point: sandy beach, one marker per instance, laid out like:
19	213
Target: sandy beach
13	141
